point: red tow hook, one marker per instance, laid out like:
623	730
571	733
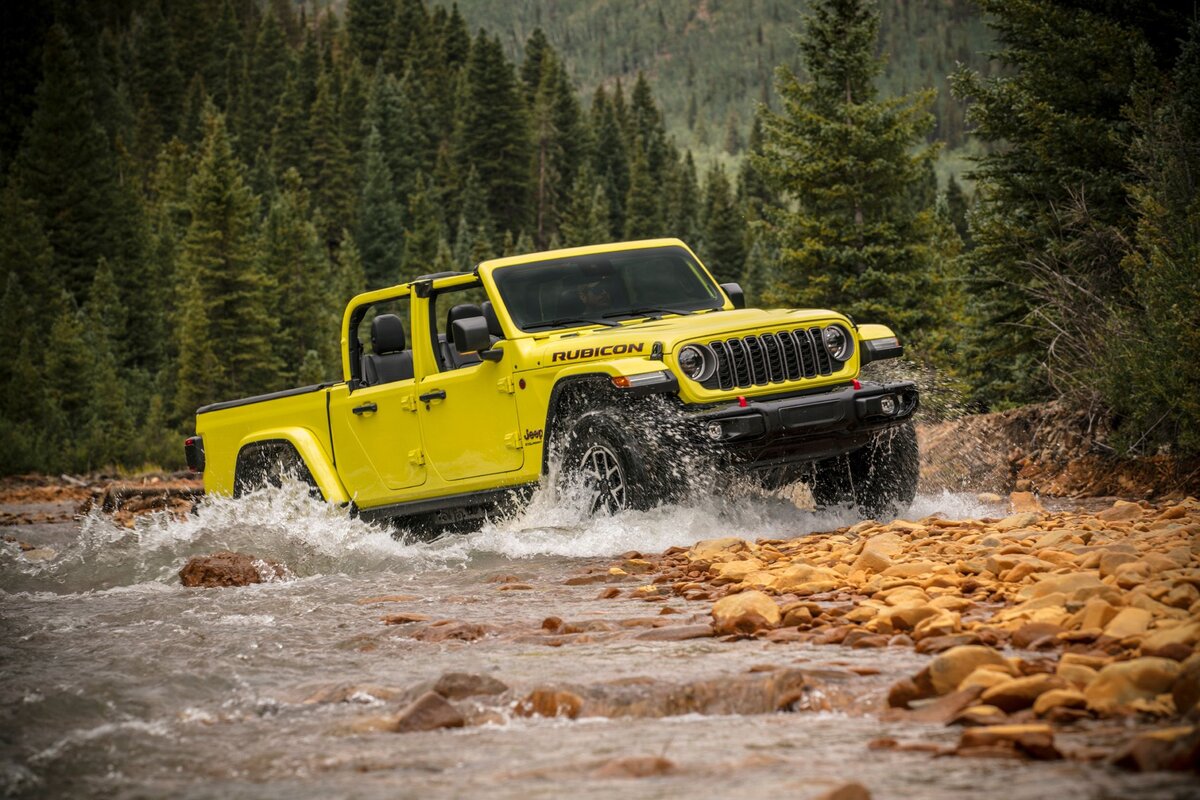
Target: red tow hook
742	402
854	382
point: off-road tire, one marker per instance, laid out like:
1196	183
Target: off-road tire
615	469
879	478
268	463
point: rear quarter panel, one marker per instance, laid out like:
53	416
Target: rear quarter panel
301	420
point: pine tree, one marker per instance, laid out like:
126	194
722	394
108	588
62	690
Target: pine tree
587	217
269	65
683	201
368	23
547	153
156	74
425	230
724	247
848	161
225	60
1059	106
108	421
380	224
642	218
66	168
225	308
289	139
610	157
294	260
330	174
492	133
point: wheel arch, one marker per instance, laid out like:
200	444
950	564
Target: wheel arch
307	449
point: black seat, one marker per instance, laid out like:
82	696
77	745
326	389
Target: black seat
493	322
389	361
450	355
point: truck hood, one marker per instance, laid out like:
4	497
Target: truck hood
638	338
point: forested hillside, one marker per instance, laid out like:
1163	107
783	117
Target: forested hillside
712	62
193	189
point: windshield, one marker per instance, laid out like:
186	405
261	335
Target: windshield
603	288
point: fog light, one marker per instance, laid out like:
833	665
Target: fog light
887	405
715	431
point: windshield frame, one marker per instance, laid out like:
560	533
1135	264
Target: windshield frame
604	266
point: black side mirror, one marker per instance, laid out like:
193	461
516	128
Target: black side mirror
736	295
471	335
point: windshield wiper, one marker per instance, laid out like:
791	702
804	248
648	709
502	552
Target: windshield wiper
648	310
555	323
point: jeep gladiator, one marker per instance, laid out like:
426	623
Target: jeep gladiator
463	390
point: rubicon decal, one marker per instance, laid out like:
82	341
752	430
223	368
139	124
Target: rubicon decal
598	352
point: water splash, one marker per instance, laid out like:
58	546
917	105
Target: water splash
313	538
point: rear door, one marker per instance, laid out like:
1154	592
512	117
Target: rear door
376	434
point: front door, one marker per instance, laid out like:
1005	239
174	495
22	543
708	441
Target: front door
469	420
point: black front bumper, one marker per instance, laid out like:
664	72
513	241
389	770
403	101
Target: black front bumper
775	431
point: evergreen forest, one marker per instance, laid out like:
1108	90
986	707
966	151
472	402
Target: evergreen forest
192	190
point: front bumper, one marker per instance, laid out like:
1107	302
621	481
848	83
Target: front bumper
775	431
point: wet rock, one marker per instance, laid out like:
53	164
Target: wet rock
847	791
986	676
228	568
1021	693
635	767
676	633
352	693
1122	511
1058	698
1022	520
1031	741
1167	749
549	702
428	712
41	554
941	710
940	644
1033	633
948	669
457	685
745	612
1186	689
387	598
403	618
1120	686
609	593
1129	622
979	715
878	551
451	629
1170	642
1025	502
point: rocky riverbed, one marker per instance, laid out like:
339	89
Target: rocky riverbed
992	645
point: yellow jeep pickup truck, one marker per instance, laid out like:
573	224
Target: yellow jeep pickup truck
597	364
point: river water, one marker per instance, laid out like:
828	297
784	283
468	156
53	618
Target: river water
115	681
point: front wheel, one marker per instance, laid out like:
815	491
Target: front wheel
606	463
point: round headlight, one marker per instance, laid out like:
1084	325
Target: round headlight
838	342
697	362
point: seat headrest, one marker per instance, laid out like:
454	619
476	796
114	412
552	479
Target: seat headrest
460	311
493	322
387	334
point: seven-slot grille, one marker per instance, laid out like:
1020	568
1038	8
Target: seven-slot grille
761	359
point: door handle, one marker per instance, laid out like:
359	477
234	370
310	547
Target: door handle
436	394
365	408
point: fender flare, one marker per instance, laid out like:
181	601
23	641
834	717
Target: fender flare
313	455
